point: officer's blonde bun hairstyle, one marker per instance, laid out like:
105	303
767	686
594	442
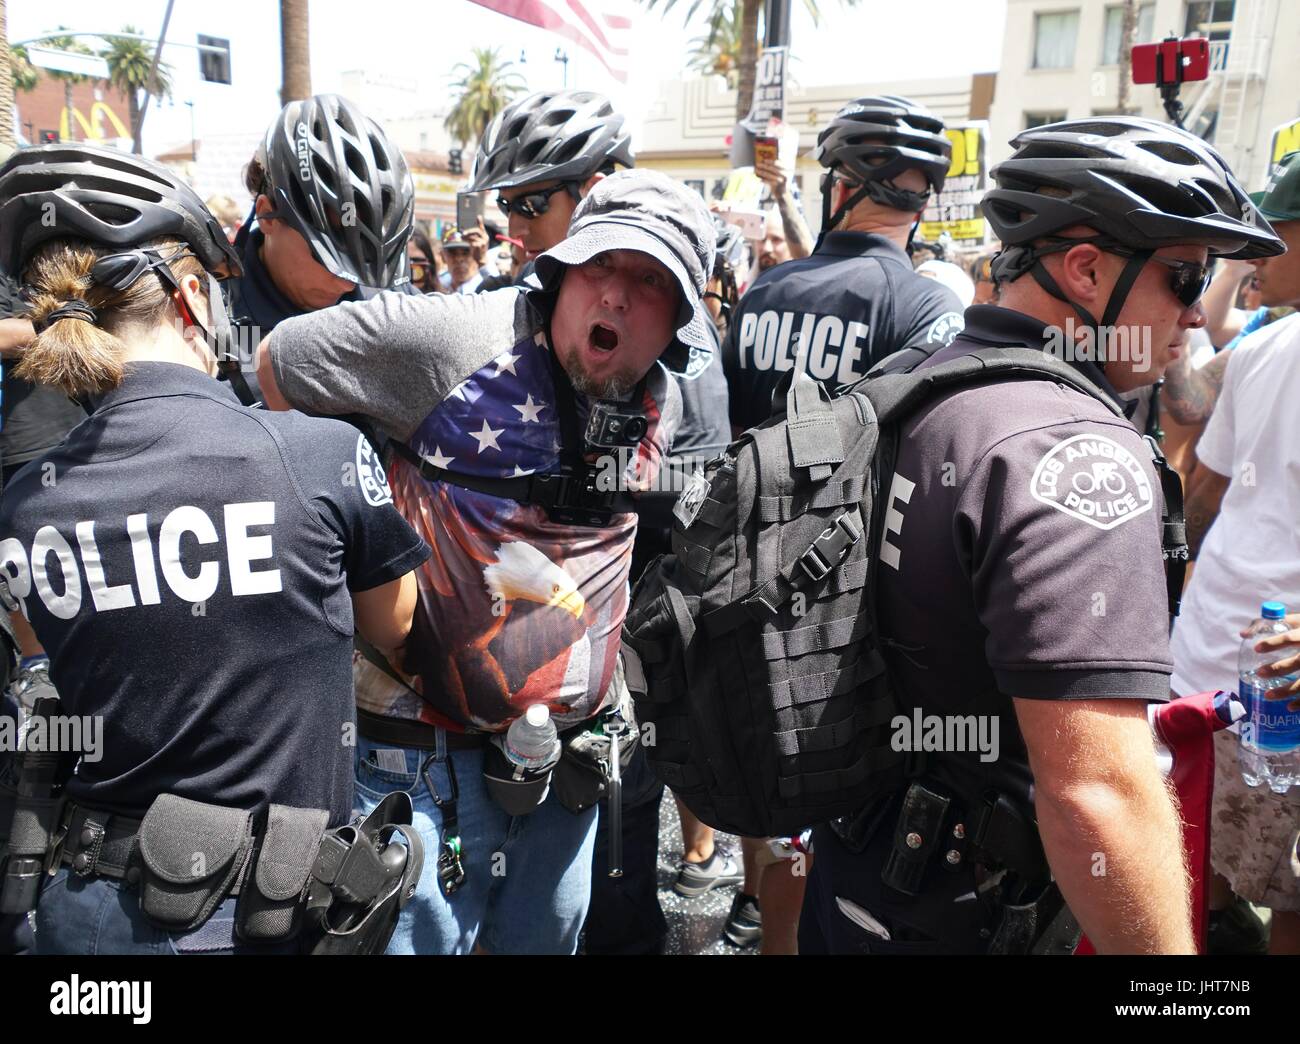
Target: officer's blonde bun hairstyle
79	355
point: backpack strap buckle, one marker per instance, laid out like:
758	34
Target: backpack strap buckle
830	549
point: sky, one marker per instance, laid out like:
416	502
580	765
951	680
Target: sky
424	39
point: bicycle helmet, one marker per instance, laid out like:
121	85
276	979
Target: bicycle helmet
873	140
334	176
106	197
552	135
1139	183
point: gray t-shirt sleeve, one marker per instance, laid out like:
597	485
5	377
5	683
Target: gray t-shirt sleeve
1062	528
394	357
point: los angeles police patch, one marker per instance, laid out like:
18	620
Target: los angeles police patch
1093	478
945	328
370	475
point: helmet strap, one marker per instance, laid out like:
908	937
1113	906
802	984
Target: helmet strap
886	193
1114	304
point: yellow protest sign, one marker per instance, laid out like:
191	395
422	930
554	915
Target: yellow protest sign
955	210
1286	138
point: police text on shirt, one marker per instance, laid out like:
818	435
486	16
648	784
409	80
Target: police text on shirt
63	595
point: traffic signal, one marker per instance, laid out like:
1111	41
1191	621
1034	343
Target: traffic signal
214	60
49	137
454	161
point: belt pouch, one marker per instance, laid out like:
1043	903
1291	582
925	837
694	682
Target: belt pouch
190	855
273	897
918	834
582	774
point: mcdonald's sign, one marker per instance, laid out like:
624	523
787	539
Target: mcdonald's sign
91	128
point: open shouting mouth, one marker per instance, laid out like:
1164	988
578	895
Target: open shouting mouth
603	337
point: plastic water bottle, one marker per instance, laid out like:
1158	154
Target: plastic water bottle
1270	734
531	742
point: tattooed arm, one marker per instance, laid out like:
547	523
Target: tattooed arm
1189	394
797	235
1205	491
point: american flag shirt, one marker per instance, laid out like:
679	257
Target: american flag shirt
514	609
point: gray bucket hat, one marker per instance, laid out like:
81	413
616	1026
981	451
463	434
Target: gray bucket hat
647	211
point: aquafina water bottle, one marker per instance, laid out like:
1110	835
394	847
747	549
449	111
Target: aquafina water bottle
1270	734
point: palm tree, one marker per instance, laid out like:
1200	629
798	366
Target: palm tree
1128	32
722	13
718	51
486	86
7	77
295	53
129	65
25	75
68	43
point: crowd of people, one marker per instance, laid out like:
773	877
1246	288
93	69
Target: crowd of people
309	507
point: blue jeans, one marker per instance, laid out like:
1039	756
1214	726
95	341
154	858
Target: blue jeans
76	916
527	878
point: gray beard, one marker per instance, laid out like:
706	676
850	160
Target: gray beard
617	387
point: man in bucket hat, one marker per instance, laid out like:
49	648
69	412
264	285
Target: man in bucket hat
508	412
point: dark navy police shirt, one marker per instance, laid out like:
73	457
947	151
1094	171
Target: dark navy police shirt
853	301
187	564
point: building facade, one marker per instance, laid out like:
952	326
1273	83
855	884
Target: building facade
687	131
1060	60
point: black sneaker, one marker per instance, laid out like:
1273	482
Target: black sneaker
718	871
744	927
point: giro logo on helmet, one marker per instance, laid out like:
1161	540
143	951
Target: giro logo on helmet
1092	478
304	152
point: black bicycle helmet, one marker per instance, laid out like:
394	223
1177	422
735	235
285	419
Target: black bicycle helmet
106	197
551	136
332	173
1138	182
875	139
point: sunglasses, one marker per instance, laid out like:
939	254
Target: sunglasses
533	204
1188	280
419	269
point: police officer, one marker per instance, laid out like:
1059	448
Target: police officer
855	299
194	568
334	205
1021	589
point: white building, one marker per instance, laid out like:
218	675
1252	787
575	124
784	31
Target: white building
1060	61
686	131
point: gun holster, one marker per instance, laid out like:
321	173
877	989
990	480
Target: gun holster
37	807
362	879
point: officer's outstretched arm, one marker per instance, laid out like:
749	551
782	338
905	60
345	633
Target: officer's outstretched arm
1108	823
383	614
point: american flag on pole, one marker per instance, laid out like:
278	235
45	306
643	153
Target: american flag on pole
601	27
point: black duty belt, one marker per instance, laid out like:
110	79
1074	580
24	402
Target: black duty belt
401	732
99	843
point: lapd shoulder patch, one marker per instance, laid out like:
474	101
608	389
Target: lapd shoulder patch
370	474
945	328
1094	479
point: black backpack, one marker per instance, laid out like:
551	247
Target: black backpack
765	704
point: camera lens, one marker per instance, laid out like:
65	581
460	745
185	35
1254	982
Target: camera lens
636	429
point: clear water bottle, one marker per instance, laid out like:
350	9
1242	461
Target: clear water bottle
1270	734
531	742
